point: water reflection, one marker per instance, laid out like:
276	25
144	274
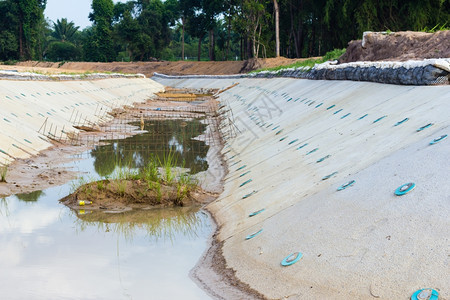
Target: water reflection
163	136
158	223
48	251
30	197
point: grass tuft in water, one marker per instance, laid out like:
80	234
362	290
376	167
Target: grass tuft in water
160	182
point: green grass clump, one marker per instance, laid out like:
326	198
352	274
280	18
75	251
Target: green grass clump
158	176
3	172
331	55
436	28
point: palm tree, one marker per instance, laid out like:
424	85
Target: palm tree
64	31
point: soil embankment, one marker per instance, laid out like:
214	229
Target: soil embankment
398	46
148	68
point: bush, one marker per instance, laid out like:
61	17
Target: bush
61	51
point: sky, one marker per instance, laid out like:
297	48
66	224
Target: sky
76	11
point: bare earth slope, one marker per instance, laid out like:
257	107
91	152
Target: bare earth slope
148	68
399	46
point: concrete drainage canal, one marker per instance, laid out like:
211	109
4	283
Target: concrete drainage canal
131	225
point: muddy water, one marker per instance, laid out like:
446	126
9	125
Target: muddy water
48	251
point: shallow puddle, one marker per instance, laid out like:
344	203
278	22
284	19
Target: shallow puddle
48	251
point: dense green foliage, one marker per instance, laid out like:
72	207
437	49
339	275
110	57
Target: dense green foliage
207	29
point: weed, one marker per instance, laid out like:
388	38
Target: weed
158	191
185	184
169	162
331	55
3	172
436	28
150	172
100	185
121	187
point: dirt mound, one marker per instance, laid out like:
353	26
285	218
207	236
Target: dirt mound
164	67
398	46
254	64
146	68
110	195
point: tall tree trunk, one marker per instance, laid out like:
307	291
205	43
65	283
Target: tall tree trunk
21	54
241	48
277	27
182	38
212	44
297	30
249	48
228	36
199	50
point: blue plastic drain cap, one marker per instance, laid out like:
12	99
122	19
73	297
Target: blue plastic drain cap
304	145
253	234
402	121
329	176
360	118
330	107
318	105
379	119
437	140
405	188
323	158
242	175
425	127
312	151
425	294
291	259
248	195
241	168
291	142
338	111
256	212
344	116
244	183
346	185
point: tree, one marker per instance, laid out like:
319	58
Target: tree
102	48
64	31
61	51
276	8
9	43
29	14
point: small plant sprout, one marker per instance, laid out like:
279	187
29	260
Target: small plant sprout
3	172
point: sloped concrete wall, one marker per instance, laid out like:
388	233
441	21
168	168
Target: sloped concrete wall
284	137
34	111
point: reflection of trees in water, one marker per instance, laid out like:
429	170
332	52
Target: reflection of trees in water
30	197
163	136
163	223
